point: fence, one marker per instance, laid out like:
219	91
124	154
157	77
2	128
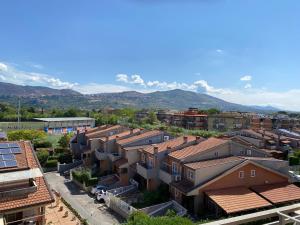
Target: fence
119	206
61	168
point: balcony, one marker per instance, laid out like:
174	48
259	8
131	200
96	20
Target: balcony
18	191
101	155
114	156
146	171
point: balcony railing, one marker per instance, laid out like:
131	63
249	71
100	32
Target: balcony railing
20	191
146	171
101	155
114	156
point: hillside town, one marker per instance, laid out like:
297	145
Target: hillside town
250	166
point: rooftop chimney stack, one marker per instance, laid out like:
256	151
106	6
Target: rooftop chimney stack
155	149
185	139
198	139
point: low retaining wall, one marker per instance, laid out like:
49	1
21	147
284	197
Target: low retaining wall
61	168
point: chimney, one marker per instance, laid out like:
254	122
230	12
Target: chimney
106	138
155	149
185	139
198	139
117	137
85	130
77	132
131	130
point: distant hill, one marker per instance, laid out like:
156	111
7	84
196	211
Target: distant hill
173	99
7	89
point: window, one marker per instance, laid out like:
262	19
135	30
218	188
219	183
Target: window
151	162
253	173
191	174
143	157
216	154
150	141
249	152
174	168
241	174
241	152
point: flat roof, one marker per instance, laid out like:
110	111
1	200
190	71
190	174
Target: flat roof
239	199
62	119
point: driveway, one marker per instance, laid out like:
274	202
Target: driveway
85	205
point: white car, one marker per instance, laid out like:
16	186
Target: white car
102	196
97	189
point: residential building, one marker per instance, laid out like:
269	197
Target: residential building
228	121
24	192
106	149
261	123
190	119
128	152
151	157
82	143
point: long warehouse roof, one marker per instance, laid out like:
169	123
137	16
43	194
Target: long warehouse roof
63	119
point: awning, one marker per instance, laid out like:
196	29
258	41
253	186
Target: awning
278	193
233	200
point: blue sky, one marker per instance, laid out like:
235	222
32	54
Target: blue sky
244	51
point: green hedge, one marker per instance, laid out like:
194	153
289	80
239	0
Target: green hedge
51	163
293	160
84	176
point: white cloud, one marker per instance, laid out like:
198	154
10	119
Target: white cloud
122	78
220	51
38	66
247	86
246	78
11	74
136	79
93	88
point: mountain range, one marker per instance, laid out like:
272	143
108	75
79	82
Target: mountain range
65	98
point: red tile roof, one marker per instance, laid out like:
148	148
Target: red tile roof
239	199
169	144
41	197
279	193
199	148
27	160
101	132
120	135
213	162
141	136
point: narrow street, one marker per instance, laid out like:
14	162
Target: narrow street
85	205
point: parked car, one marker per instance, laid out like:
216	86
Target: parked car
97	189
102	195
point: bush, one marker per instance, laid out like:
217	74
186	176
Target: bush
42	156
293	160
51	163
65	158
53	157
141	218
42	144
84	176
29	135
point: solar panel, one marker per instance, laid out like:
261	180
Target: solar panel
2	164
10	163
5	151
15	150
9	157
13	145
3	145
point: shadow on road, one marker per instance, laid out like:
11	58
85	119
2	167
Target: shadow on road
74	189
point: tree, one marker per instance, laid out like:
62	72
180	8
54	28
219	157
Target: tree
71	113
152	118
29	135
65	140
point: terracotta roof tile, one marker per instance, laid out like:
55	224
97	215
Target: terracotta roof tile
279	193
239	199
141	136
199	148
27	160
101	132
171	144
213	162
120	135
41	196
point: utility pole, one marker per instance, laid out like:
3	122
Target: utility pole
19	116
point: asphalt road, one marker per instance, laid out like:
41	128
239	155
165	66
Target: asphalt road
85	205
